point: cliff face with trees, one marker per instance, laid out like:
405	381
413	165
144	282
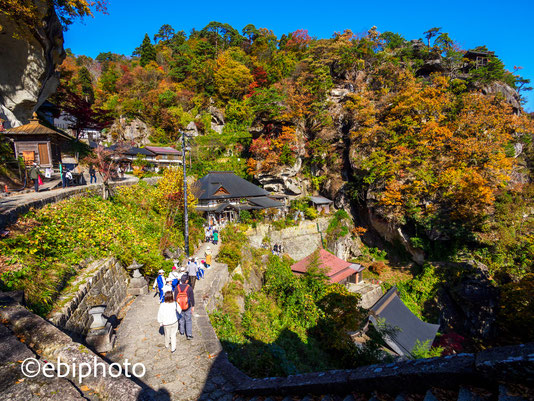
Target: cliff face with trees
423	137
423	144
31	46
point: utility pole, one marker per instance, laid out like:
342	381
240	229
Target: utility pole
186	219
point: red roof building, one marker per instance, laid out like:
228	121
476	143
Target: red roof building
336	269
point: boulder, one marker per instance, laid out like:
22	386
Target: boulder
217	119
191	129
28	60
132	131
509	94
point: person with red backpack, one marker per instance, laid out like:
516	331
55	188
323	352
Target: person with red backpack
184	296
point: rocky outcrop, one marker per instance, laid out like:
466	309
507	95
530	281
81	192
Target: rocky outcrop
469	305
217	119
191	129
509	94
345	247
132	131
28	60
285	181
394	235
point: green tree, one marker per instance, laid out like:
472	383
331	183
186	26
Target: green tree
432	32
86	83
231	77
165	34
147	52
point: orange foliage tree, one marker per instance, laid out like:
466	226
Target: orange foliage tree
430	154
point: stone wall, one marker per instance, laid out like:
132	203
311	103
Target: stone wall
298	242
50	343
513	364
103	282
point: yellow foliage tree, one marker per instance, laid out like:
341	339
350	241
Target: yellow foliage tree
231	77
170	192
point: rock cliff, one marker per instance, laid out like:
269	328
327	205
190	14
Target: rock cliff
29	56
131	131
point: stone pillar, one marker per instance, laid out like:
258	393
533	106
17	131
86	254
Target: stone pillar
138	284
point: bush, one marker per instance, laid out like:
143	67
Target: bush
424	350
311	213
378	267
50	242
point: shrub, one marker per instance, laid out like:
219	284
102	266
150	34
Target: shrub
378	267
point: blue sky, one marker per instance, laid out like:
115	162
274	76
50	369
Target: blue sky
504	27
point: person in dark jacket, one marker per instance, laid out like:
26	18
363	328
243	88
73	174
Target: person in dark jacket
34	175
92	173
192	270
185	297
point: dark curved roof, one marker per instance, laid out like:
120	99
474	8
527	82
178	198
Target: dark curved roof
236	187
409	327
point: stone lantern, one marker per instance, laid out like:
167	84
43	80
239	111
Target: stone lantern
100	335
138	284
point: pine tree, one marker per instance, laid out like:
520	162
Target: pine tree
147	51
85	80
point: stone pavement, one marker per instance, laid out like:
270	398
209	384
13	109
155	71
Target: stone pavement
191	372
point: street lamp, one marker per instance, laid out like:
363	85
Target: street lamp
186	218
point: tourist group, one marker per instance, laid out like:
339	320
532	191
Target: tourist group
177	298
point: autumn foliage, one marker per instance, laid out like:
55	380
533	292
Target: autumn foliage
430	154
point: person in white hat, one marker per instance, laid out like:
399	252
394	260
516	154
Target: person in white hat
167	286
160	282
208	257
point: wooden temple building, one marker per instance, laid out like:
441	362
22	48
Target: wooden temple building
39	142
222	195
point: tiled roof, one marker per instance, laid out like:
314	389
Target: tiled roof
320	200
336	269
236	187
409	327
265	202
163	150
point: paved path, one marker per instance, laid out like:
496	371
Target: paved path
9	202
189	373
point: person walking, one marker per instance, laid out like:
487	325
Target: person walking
207	257
168	314
62	175
215	237
185	298
92	173
160	282
174	276
192	270
35	175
